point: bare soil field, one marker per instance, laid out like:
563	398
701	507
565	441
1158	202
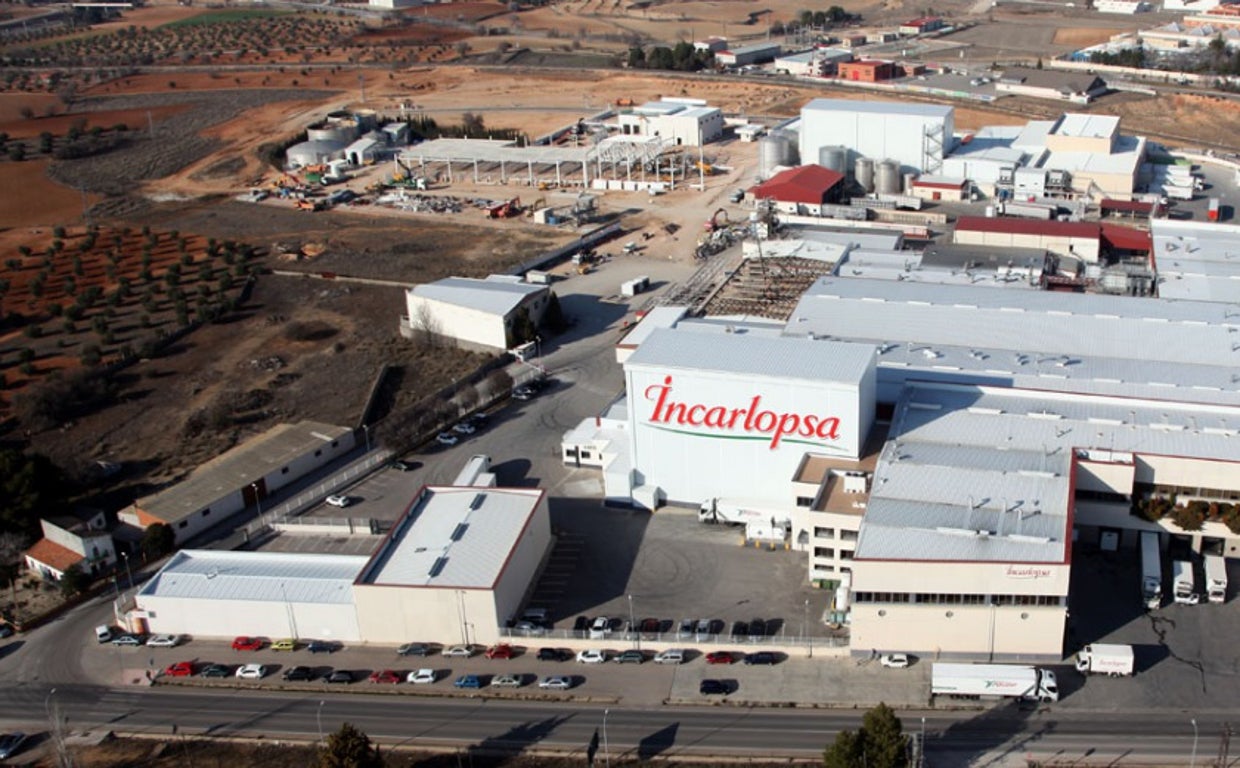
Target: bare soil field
105	118
1082	37
42	202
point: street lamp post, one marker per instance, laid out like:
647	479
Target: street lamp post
921	748
258	502
47	704
128	573
805	630
1192	763
319	717
366	432
637	638
606	751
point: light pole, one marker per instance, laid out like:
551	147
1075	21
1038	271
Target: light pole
319	717
637	637
366	432
606	751
1192	763
47	704
805	630
257	501
921	748
128	573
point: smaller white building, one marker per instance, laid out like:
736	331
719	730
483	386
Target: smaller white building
364	151
74	539
817	62
680	122
759	53
481	314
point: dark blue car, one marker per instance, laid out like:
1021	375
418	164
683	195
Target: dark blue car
468	681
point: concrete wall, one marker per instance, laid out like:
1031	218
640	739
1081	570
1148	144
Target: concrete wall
471	326
398	614
960	631
225	618
527	556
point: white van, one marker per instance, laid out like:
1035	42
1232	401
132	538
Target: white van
103	633
670	656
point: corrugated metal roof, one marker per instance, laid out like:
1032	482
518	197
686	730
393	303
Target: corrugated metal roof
895	108
807	184
1009	226
754	355
1086	125
259	576
453	537
496	297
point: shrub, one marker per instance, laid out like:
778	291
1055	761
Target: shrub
1191	516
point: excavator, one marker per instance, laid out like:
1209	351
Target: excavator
506	209
715	223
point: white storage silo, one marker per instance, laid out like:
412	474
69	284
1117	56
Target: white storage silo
834	158
909	178
774	150
864	173
887	177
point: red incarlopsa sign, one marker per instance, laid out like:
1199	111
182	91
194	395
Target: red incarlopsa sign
752	418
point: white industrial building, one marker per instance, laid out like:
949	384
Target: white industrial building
917	136
679	122
816	62
240	477
314	152
480	314
758	53
1196	260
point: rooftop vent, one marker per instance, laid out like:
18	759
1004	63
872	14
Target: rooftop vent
459	532
477	502
438	566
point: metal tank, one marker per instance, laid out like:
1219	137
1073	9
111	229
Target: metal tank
834	158
864	172
344	131
887	178
909	178
366	118
773	151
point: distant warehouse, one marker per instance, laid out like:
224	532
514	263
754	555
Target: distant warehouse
748	54
477	314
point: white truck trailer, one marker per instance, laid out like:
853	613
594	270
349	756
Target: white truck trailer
1106	659
994	680
1178	192
760	523
1216	578
1151	571
1183	585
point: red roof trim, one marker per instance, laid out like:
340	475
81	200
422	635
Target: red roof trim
807	184
1029	227
938	184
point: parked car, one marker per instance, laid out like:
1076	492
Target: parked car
720	657
422	676
11	744
323	646
459	651
414	649
631	656
467	681
405	466
556	683
216	670
464	428
506	681
740	629
501	651
251	671
338	676
384	676
164	641
339	500
244	643
127	639
581	624
600	628
294	674
529	628
894	660
670	656
650	626
713	688
685	630
286	644
736	196
552	654
179	669
703	627
522	393
591	656
763	658
6	630
757	628
447	438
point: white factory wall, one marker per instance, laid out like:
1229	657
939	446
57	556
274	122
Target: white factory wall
877	136
527	556
691	464
400	614
466	325
230	618
978	632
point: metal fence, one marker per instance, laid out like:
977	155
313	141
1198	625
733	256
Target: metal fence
673	638
288	509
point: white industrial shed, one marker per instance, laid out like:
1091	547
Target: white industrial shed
480	314
918	136
209	593
456	566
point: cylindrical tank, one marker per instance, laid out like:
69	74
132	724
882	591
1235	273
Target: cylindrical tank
864	172
834	158
887	177
773	151
909	178
366	118
339	115
991	212
793	149
341	131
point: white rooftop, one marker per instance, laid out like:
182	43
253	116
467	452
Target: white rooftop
658	108
1089	126
754	354
659	317
277	577
878	107
496	295
982	474
1140	347
1127	153
453	537
1197	260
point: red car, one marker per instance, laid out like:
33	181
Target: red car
180	669
384	676
501	651
720	657
247	643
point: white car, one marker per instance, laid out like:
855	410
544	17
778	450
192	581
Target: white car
339	501
464	428
164	641
600	628
591	656
421	676
556	683
670	656
447	438
463	651
505	681
894	660
251	671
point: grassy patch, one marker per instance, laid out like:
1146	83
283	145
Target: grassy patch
223	17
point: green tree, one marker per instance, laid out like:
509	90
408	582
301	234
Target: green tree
880	743
74	581
553	319
350	748
157	540
29	485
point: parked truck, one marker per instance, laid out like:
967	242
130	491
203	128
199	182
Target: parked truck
1177	192
1028	210
994	680
1216	578
1184	588
1212	213
1106	659
1151	571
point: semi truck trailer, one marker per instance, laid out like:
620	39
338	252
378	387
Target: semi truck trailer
1106	659
994	680
1151	571
1183	585
1216	578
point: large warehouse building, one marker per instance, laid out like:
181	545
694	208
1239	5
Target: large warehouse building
477	314
918	136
